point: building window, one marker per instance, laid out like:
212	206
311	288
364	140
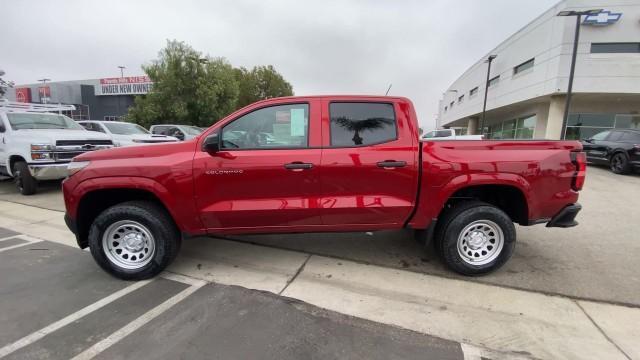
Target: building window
584	126
520	128
460	99
473	91
615	48
494	81
524	66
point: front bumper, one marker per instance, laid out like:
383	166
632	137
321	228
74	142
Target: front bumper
49	171
566	217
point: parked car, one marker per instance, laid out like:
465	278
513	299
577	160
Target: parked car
182	132
334	163
449	134
124	133
617	148
37	145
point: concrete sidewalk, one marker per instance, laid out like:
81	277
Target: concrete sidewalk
508	322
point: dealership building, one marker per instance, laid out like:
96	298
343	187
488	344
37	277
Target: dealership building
529	77
94	99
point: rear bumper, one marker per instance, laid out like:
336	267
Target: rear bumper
49	171
566	217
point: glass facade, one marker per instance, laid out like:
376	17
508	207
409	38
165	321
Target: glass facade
520	128
584	126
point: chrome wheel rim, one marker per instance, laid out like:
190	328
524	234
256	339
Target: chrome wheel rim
480	242
128	244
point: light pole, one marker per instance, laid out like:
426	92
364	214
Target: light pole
121	70
567	105
486	92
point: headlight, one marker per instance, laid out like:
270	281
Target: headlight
41	147
41	152
76	166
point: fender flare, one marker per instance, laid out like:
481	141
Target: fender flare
126	182
478	179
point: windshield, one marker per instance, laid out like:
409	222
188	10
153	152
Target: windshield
20	121
125	128
192	130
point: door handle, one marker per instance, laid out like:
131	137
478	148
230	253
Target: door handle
298	165
392	164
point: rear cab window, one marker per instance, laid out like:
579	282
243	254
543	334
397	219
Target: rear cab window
362	123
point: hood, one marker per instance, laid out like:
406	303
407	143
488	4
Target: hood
52	135
142	151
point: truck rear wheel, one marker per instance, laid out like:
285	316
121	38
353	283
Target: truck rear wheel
134	240
25	183
475	238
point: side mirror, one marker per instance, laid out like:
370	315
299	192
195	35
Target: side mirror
2	129
211	143
589	140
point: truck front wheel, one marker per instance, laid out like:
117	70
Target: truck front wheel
134	240
475	238
25	183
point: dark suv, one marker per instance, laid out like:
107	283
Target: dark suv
620	149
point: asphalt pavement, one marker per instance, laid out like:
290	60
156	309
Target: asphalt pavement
56	304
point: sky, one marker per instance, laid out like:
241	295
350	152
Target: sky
320	47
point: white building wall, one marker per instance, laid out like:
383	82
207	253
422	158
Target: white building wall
548	39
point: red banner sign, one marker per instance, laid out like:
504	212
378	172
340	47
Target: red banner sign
23	95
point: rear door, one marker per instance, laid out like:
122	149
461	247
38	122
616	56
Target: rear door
265	176
369	164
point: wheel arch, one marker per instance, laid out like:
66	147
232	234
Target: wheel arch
12	160
94	202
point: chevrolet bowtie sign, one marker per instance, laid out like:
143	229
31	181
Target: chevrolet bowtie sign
602	18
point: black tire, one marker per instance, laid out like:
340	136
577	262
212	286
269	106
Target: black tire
154	218
619	164
456	219
25	183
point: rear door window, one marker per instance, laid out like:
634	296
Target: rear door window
631	137
362	123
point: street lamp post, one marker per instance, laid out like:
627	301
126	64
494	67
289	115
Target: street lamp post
567	105
121	70
486	92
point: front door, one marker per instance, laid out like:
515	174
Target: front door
369	165
265	176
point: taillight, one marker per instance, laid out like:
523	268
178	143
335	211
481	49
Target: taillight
579	159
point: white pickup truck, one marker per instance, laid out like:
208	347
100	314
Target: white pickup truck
36	144
449	134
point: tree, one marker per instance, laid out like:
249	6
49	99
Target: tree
262	82
4	84
188	88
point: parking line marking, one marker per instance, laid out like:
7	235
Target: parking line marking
30	242
35	336
470	352
9	237
112	339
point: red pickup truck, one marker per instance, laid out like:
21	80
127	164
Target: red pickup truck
319	164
